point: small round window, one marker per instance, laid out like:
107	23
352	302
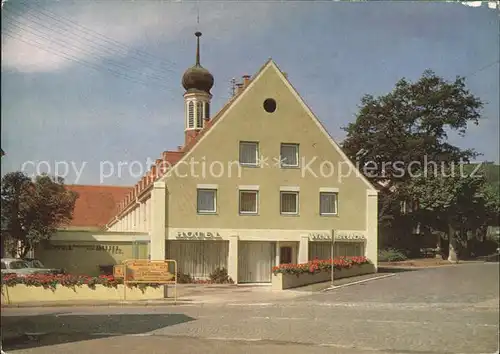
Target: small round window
269	105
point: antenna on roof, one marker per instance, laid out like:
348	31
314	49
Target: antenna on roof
197	14
233	87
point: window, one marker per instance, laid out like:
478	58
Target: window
269	105
199	115
18	265
289	202
37	264
289	155
207	110
4	266
349	249
248	153
285	255
328	203
249	201
207	201
191	115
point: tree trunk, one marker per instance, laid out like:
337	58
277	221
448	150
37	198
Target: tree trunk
452	255
438	246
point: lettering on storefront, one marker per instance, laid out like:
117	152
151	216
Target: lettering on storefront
198	235
317	236
113	249
341	236
349	236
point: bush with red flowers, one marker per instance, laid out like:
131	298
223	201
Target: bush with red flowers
51	281
317	266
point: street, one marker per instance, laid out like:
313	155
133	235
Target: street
453	309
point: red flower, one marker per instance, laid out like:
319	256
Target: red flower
320	265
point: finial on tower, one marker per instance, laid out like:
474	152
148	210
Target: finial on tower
197	78
198	35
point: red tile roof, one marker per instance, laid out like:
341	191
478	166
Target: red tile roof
95	205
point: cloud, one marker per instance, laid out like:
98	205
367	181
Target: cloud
46	38
490	4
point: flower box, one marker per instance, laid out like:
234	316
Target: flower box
36	288
317	271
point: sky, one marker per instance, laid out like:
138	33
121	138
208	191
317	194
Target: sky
89	84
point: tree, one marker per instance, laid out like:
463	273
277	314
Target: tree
453	203
33	210
398	134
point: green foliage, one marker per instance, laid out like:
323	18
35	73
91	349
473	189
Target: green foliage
406	128
391	255
220	276
454	199
184	278
33	210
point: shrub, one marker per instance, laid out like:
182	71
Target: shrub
391	255
220	276
184	278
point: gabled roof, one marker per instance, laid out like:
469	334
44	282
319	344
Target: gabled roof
95	205
271	64
171	158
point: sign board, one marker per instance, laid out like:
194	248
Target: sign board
119	271
148	271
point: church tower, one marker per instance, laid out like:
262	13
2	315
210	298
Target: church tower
197	81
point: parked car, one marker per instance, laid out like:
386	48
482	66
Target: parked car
21	267
36	263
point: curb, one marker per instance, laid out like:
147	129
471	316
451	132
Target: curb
99	304
410	268
357	282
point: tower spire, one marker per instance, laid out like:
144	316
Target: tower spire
198	35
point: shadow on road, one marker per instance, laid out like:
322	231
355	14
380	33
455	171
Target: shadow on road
23	332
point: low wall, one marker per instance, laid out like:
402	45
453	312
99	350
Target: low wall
22	293
287	281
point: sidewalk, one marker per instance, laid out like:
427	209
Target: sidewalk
197	294
187	294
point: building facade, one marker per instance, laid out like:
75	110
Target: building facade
258	184
84	246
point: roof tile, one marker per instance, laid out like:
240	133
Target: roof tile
96	205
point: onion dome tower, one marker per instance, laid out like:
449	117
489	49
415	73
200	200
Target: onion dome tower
197	81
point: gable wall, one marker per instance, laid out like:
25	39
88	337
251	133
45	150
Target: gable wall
248	121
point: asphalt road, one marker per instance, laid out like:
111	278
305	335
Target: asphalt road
446	310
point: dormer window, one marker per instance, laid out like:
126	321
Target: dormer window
191	114
199	115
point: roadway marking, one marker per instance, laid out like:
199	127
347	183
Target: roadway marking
358	282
